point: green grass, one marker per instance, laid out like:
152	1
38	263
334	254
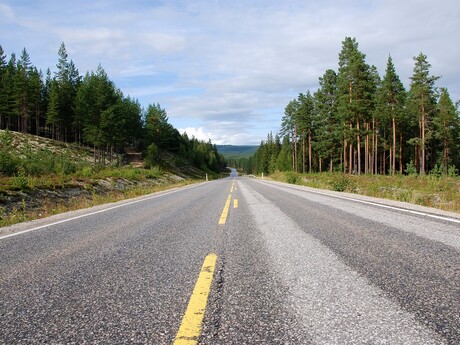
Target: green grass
48	207
31	166
432	191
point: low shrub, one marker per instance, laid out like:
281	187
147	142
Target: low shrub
291	177
340	182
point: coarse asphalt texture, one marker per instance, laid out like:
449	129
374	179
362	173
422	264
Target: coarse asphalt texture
294	266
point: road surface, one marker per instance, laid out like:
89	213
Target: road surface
292	266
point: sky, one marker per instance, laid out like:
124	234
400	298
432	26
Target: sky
225	69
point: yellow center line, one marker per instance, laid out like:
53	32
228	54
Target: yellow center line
223	216
190	328
235	203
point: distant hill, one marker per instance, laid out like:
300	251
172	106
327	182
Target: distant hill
236	150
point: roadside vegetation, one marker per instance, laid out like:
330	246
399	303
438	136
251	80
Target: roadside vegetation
433	190
40	177
364	133
69	141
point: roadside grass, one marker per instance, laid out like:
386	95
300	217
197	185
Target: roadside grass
428	190
48	207
85	174
41	177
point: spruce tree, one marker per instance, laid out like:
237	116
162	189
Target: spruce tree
284	159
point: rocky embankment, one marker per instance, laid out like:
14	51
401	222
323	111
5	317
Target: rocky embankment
46	201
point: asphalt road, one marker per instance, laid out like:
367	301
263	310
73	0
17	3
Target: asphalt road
294	266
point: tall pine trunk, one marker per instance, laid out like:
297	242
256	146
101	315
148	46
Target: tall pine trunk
400	153
310	151
423	146
358	144
345	146
393	164
303	152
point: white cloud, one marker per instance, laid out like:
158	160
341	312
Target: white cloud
234	61
197	133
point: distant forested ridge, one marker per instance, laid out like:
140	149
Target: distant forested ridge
237	149
360	122
238	156
90	110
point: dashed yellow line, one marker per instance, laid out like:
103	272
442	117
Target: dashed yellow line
223	216
235	203
190	328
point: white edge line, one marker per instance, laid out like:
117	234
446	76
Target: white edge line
453	220
96	212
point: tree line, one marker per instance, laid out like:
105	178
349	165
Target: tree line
358	122
90	110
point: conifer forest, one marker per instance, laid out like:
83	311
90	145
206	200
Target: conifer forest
359	122
89	110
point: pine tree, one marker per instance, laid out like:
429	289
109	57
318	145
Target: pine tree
159	131
23	91
354	100
392	96
36	99
328	129
446	124
3	89
46	100
95	95
68	81
421	104
11	104
304	123
289	129
52	112
371	90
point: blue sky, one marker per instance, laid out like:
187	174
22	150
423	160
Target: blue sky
225	69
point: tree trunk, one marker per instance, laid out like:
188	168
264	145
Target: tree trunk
310	151
350	159
376	155
350	154
345	145
400	153
393	163
423	148
366	149
303	152
390	162
372	151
